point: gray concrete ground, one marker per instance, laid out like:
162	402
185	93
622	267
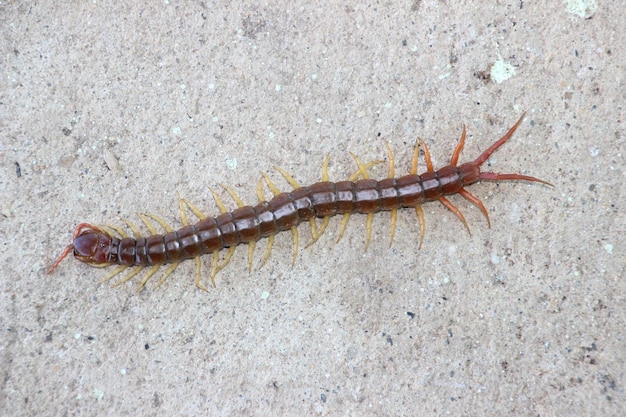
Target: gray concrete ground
106	111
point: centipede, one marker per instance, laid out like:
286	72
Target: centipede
106	245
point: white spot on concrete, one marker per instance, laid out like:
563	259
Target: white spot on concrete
265	295
501	70
98	394
177	131
279	87
581	8
595	151
609	248
231	163
495	259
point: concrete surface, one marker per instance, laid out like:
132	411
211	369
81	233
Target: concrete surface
113	110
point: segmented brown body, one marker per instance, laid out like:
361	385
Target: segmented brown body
284	211
246	224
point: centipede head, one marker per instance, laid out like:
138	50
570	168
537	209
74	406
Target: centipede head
90	245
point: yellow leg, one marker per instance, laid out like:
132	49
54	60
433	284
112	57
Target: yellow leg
342	228
171	269
195	210
320	231
218	201
159	220
394	219
369	225
234	195
251	246
127	277
294	235
229	255
113	273
420	216
132	227
214	264
149	274
268	250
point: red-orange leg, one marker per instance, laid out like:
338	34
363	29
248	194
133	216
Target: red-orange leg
430	168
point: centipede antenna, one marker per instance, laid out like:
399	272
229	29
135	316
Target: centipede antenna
62	256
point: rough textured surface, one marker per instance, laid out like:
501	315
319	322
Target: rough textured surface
106	111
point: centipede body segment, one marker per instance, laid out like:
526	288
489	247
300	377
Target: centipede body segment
101	246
